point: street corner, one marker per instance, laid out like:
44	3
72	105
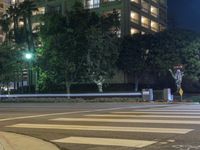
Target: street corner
13	141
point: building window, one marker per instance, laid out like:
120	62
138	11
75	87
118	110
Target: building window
134	31
145	22
145	6
104	1
154	11
163	2
155	1
16	1
135	17
92	4
39	11
135	1
162	27
154	26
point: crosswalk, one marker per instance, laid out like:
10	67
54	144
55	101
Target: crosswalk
89	122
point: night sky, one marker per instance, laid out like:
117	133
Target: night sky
184	14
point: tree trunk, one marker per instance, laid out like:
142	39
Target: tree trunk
29	22
136	83
8	90
68	89
100	87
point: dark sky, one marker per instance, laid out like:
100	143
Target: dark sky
184	14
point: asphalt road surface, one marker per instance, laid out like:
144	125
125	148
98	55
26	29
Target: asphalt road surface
106	126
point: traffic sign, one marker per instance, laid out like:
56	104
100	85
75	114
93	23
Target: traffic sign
181	92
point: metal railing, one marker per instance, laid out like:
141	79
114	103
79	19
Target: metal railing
72	95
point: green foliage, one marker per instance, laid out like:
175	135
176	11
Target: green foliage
190	57
176	47
68	40
9	63
64	47
165	50
135	54
102	56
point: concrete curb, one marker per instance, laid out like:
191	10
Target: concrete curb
12	141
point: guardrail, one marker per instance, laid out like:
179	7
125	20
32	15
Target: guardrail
72	95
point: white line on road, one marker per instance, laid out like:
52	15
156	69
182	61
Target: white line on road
151	112
128	120
65	113
106	141
145	116
168	110
103	128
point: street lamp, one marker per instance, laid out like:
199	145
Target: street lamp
29	56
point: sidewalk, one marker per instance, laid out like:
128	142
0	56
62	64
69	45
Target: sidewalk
12	141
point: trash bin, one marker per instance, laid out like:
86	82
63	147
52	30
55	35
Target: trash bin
147	94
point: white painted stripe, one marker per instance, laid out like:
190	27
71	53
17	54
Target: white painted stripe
63	113
168	110
106	142
103	128
128	120
145	116
151	112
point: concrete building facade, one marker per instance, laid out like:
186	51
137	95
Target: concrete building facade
4	4
136	16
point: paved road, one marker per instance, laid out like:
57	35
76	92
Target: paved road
106	126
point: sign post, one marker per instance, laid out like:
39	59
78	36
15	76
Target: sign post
181	93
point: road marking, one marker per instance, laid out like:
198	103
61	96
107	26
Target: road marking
63	113
151	112
103	128
106	141
128	120
167	110
144	116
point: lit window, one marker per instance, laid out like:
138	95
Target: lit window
154	26
154	11
145	6
92	4
134	31
135	1
40	10
135	17
145	22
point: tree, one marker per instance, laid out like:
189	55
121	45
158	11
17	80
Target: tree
191	59
63	49
5	25
66	42
14	13
9	58
26	8
101	57
135	56
174	47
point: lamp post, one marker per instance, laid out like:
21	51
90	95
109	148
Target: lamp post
29	56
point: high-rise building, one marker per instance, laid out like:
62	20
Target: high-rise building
4	4
136	16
